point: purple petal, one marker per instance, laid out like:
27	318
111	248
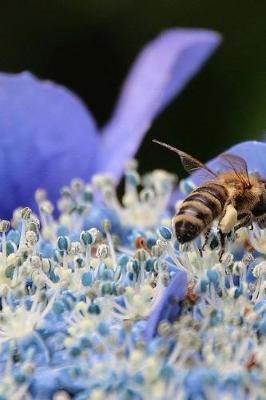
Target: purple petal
253	152
168	307
160	72
47	137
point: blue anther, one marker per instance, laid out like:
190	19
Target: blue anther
203	285
94	309
11	247
63	243
54	278
136	266
165	233
130	276
151	242
86	238
56	255
132	178
106	288
149	264
123	260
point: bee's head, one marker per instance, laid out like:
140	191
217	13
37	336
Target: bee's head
260	207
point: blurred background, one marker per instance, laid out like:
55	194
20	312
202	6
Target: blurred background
88	46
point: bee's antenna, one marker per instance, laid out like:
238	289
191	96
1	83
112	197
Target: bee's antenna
167	146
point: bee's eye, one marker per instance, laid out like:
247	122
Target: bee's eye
264	183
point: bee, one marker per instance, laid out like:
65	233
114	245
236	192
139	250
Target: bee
234	198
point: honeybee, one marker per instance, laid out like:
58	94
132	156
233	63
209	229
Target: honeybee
233	198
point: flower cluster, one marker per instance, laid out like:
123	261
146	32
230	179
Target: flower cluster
102	302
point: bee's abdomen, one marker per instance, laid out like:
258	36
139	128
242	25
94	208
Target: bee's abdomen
198	210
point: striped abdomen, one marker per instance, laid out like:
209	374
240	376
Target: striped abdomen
199	210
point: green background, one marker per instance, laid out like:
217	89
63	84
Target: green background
88	45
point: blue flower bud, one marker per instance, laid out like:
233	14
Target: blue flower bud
85	343
262	326
20	377
213	276
62	230
107	275
88	196
86	279
9	271
11	247
167	372
103	328
203	285
123	260
138	378
58	307
130	276
14	236
46	249
238	292
75	351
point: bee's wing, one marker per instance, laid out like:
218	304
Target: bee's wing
239	166
189	163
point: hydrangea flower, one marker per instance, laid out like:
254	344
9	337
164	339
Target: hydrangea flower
103	302
95	316
48	136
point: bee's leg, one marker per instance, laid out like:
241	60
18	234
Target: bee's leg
228	218
246	220
206	238
261	221
222	244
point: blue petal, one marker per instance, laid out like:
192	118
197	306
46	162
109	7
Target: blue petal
47	137
168	307
253	152
160	72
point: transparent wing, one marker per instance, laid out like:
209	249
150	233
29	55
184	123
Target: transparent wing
239	166
189	163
